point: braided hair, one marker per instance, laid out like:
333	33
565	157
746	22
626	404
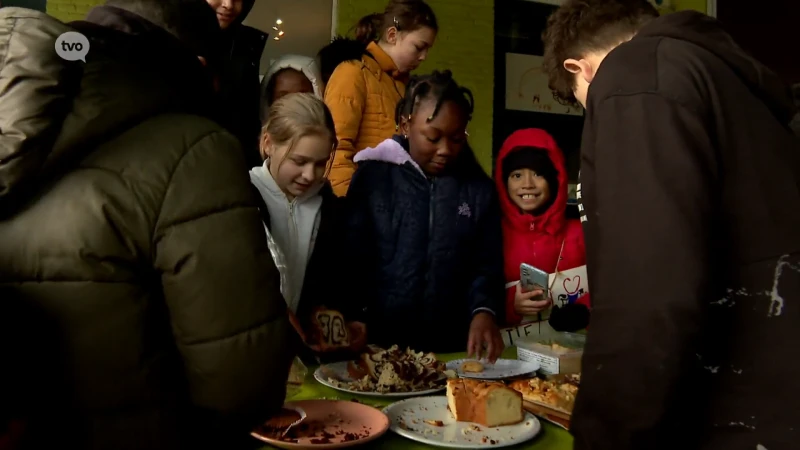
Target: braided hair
441	87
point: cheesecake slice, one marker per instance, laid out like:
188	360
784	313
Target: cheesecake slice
490	404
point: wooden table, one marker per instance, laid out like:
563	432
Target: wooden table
551	437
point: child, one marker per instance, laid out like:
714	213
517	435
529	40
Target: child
289	74
365	86
301	211
532	180
424	234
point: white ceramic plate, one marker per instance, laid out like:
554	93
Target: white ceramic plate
338	371
501	369
408	419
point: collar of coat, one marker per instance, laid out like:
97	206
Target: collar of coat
384	62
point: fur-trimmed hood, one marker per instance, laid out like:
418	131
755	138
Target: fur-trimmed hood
341	49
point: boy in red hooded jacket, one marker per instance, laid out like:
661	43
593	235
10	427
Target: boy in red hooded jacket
532	183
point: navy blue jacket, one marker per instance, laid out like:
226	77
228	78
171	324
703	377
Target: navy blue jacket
426	252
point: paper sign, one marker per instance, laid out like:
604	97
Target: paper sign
525	329
568	285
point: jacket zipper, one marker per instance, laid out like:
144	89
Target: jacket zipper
292	233
431	211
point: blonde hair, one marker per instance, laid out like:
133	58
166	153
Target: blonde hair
295	116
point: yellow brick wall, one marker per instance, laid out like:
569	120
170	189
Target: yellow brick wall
697	5
69	10
670	6
465	45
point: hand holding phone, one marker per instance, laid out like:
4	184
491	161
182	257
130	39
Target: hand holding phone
531	278
526	303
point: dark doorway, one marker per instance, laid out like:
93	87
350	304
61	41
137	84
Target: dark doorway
767	32
518	29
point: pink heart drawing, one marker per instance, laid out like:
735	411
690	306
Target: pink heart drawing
576	280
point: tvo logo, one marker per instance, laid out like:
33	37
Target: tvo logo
72	46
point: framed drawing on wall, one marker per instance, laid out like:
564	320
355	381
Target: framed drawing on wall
527	90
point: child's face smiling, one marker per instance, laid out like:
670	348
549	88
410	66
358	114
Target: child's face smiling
528	190
434	144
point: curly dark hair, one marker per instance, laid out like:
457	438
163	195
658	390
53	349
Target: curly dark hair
581	26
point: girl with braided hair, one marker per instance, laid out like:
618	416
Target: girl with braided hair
424	229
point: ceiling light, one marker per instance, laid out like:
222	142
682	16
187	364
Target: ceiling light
277	38
280	33
279	21
275	28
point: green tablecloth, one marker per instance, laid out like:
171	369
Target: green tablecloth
551	437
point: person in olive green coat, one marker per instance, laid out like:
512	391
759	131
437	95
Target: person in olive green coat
134	268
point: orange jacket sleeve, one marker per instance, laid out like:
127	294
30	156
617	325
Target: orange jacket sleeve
345	96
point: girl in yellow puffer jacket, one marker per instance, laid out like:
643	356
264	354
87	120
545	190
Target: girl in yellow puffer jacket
364	88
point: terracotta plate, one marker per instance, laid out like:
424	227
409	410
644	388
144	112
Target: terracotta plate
331	424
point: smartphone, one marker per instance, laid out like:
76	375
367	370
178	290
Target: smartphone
531	279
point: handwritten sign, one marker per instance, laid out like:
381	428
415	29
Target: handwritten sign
568	285
524	330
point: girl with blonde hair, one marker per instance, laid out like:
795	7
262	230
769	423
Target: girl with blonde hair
300	212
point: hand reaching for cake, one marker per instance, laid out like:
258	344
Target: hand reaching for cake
484	336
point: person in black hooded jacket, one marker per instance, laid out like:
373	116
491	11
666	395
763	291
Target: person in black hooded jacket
690	190
238	59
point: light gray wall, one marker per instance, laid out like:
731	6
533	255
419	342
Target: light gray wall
306	23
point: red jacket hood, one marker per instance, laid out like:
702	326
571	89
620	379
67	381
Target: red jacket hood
551	221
